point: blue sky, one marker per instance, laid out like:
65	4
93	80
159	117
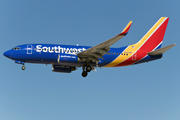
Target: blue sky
140	92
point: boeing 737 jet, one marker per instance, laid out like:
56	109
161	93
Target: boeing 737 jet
66	58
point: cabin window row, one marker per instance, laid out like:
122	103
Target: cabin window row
117	53
78	51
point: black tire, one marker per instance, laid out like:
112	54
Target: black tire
23	68
88	68
84	73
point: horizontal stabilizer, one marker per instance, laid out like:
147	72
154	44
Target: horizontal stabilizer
161	50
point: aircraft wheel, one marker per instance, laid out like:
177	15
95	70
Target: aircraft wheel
88	68
23	68
84	73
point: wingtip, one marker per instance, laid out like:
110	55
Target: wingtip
126	29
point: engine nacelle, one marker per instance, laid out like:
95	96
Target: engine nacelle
68	58
64	69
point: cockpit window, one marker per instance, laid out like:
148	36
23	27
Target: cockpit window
16	48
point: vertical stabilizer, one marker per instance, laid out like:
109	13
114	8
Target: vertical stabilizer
154	37
151	41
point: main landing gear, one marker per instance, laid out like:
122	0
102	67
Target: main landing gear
86	69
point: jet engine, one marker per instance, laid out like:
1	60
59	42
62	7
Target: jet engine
63	69
68	58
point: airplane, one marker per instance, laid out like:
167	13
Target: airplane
67	58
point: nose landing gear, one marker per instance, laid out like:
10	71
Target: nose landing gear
23	67
21	62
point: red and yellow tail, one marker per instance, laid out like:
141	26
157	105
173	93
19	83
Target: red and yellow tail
154	37
152	40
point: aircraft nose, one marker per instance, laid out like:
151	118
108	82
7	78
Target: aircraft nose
7	54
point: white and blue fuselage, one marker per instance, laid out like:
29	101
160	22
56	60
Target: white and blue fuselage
65	58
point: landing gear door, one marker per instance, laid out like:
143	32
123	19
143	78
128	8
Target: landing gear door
29	49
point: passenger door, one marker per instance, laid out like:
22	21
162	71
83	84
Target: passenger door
29	49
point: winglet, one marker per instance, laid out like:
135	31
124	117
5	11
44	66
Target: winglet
126	29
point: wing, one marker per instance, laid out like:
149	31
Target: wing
96	52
